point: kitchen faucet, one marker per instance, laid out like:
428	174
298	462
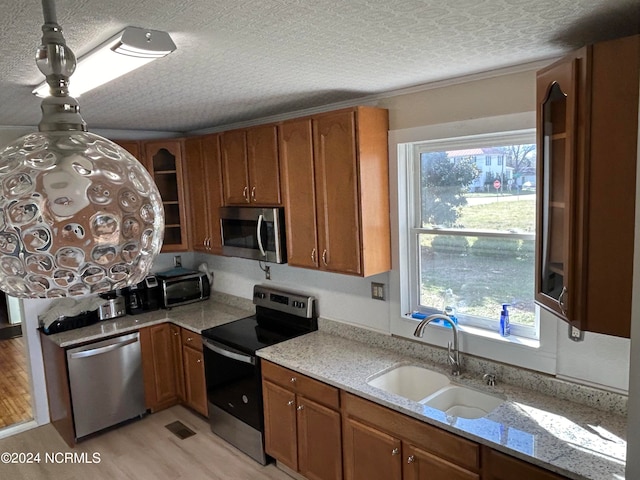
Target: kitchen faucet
453	357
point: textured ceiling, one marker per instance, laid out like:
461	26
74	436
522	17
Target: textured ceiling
239	60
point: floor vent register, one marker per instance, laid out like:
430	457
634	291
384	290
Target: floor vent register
180	430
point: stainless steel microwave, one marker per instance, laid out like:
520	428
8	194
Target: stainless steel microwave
181	286
254	232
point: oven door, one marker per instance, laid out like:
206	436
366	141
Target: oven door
233	382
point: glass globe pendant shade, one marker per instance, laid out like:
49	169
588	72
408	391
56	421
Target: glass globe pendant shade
78	215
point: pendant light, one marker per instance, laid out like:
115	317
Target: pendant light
78	213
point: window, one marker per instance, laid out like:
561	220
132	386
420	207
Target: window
471	231
487	161
500	158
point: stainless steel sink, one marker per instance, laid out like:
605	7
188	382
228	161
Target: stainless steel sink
409	381
459	401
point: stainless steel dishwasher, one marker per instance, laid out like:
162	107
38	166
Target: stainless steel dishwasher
106	383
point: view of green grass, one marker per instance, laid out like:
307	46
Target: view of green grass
484	275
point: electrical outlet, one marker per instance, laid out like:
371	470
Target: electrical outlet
177	261
377	291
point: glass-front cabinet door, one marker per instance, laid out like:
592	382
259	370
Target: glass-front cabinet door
555	191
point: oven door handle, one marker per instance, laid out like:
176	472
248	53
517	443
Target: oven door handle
221	350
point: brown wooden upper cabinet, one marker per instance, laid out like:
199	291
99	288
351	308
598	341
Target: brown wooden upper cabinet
250	166
335	180
587	128
205	192
164	160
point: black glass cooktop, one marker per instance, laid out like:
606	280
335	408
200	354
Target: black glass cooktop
255	332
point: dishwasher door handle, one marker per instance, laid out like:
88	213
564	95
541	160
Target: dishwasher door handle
220	350
107	348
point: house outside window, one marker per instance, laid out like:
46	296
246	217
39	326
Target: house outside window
471	233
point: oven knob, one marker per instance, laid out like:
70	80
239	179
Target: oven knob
259	295
300	304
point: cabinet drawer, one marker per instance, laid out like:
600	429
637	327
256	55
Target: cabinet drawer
432	439
498	466
297	383
191	339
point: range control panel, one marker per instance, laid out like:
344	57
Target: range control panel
290	302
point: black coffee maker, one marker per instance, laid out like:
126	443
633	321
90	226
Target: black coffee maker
142	297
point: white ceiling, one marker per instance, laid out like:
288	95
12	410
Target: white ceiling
239	60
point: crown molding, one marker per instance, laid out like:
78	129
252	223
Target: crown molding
375	98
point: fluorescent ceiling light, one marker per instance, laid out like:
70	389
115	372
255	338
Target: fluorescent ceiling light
130	49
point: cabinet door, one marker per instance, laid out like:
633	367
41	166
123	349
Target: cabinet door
176	347
337	192
319	441
205	192
299	192
164	161
421	465
163	379
233	148
280	424
556	173
199	218
263	165
498	466
370	453
213	173
195	390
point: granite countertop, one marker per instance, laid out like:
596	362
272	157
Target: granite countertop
577	441
195	317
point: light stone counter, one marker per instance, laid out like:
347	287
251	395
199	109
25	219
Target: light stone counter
572	439
219	309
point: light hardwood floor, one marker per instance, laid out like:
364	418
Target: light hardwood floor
143	449
15	397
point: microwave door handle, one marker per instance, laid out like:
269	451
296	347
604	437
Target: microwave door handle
259	233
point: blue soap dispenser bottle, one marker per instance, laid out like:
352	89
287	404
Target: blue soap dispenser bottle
505	327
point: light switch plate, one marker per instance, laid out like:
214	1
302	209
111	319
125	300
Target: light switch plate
377	291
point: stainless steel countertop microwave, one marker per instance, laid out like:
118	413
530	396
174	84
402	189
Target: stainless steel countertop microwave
181	286
254	232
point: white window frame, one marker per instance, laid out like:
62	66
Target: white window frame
414	229
538	354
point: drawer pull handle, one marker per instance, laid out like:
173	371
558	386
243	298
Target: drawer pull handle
300	407
411	459
294	379
198	361
395	451
290	402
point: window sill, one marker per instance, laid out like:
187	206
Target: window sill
513	350
495	336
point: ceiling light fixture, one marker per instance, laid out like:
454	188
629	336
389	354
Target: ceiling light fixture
130	49
78	213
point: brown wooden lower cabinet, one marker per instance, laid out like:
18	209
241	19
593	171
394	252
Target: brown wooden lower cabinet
370	453
302	423
312	431
173	368
194	379
421	465
158	367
